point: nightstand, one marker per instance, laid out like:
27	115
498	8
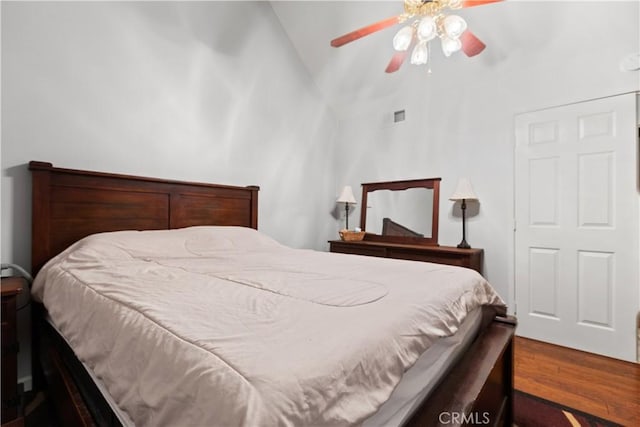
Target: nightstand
11	288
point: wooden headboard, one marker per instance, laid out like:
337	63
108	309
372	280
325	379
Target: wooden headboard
71	204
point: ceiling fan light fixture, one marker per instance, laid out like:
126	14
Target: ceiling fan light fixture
429	21
427	29
450	46
454	26
420	54
402	39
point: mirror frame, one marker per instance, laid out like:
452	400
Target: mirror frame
429	183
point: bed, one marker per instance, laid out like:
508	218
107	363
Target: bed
69	205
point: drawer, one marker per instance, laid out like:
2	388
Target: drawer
8	328
6	308
422	256
8	332
435	257
358	250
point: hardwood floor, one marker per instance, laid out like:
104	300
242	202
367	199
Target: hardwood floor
605	387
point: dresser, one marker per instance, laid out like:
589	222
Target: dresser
469	258
11	288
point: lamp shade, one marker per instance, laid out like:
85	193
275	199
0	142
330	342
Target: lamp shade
464	191
347	195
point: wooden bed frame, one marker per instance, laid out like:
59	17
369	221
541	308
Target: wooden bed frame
71	204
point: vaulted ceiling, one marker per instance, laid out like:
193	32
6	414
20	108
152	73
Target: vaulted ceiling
517	32
357	69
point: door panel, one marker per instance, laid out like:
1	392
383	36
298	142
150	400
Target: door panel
543	279
577	226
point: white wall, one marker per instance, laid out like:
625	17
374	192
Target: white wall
195	91
460	117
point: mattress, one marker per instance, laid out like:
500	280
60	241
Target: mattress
416	384
169	319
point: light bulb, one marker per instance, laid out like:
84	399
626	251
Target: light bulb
450	46
420	54
454	26
427	28
403	38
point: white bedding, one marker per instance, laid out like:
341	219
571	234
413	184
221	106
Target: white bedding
224	326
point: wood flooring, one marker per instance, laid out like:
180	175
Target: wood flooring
605	387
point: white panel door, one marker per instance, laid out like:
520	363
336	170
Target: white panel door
577	224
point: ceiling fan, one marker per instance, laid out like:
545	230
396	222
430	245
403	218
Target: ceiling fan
432	23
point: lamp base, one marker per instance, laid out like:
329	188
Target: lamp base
464	245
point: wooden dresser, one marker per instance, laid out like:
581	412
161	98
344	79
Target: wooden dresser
469	258
11	288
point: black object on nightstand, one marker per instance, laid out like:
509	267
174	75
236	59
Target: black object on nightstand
11	288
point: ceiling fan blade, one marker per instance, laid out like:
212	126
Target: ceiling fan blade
365	31
471	45
471	3
396	61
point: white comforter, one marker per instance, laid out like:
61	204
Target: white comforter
224	326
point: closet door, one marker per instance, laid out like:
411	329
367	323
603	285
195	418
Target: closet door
576	239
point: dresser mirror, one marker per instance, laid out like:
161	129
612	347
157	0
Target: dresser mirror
401	211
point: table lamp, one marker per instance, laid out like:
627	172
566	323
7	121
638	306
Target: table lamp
347	198
463	192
